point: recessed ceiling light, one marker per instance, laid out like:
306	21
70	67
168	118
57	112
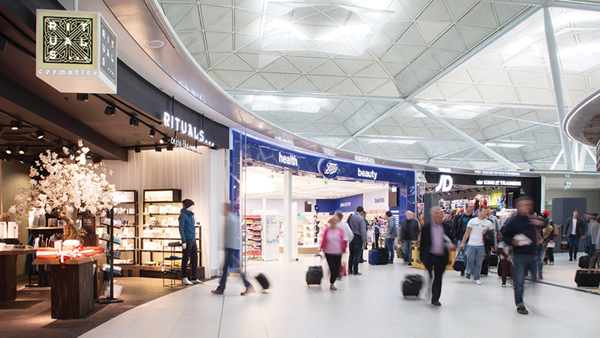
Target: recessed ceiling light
155	44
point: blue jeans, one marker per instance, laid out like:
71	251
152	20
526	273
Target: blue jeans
523	263
541	251
407	250
389	245
467	270
229	259
475	257
573	246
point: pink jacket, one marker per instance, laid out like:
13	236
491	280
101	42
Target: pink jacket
340	230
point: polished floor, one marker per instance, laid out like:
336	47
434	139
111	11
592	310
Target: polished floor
370	305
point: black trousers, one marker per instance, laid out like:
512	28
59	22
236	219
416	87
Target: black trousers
334	262
376	242
437	264
355	254
190	253
550	254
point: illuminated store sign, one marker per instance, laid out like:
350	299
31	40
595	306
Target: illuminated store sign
76	52
364	159
328	168
501	183
290	160
445	184
185	128
367	174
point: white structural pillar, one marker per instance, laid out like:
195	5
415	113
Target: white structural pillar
558	89
288	233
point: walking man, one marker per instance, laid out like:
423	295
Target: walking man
434	251
574	230
232	250
520	233
409	232
358	225
460	226
391	234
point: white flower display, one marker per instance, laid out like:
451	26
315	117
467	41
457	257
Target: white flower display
58	183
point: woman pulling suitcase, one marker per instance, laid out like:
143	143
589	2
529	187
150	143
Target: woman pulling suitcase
333	245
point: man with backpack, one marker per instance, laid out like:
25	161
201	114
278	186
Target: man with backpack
460	227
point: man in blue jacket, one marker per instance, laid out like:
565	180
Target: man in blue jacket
520	232
188	240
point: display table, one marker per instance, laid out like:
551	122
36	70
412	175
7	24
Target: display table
8	272
71	287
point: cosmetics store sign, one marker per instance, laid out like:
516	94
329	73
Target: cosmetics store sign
76	52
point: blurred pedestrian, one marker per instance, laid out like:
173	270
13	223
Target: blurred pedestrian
476	229
574	230
591	232
460	226
409	232
390	237
521	234
359	228
436	240
504	251
348	236
188	242
333	245
232	250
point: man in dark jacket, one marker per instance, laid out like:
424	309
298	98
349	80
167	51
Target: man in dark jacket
521	234
434	253
574	230
460	227
409	232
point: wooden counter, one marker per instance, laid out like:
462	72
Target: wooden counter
8	272
72	287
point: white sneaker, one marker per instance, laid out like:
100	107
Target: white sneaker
197	281
186	281
478	282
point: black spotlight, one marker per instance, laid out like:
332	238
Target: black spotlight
138	149
134	122
9	150
165	140
109	110
82	97
22	150
157	148
39	134
152	132
169	147
3	43
16	125
96	159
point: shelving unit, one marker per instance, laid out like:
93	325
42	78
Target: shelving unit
254	236
161	227
126	228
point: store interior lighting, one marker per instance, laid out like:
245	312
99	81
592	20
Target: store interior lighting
157	149
22	150
152	132
109	110
82	97
39	134
16	125
138	149
9	150
169	147
134	122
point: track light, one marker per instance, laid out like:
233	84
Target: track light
164	140
109	110
22	150
39	134
16	125
82	97
137	149
134	122
9	150
152	132
169	147
157	149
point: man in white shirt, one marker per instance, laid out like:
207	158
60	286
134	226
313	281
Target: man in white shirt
476	229
574	230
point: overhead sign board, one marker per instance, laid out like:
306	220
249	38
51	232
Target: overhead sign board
76	52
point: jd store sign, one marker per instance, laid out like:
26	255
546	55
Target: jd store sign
76	52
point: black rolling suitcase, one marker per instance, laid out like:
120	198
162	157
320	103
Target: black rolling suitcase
485	266
493	259
384	256
584	261
588	278
412	285
314	274
263	281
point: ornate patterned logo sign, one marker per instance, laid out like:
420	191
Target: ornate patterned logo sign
68	40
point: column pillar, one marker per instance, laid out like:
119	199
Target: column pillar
288	229
558	89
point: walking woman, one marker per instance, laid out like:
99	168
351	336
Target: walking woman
333	245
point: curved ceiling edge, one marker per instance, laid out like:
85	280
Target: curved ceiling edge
144	21
580	115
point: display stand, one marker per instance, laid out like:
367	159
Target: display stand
254	241
270	237
172	273
110	253
8	272
42	273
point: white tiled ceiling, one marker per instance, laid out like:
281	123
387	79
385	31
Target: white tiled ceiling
337	72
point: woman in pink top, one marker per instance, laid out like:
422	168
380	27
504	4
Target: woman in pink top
333	246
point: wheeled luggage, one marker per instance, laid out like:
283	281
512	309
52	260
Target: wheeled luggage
485	266
374	257
584	261
412	285
263	281
587	277
384	257
314	274
493	259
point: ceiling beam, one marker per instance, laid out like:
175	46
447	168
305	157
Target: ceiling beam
315	95
372	123
487	104
466	137
584	5
466	157
557	159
